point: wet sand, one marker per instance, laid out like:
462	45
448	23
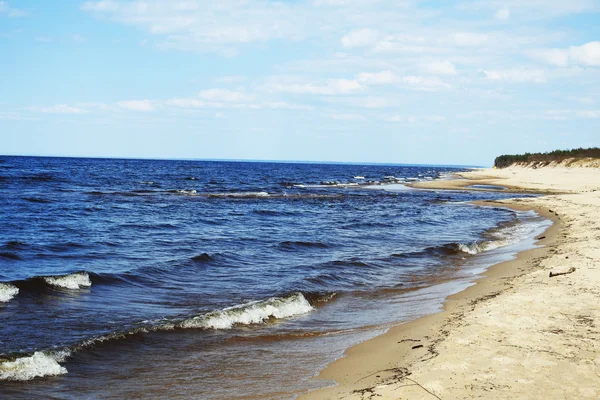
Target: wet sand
517	333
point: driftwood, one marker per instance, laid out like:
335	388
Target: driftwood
569	271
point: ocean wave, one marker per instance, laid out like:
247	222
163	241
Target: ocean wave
37	200
47	363
7	292
185	192
241	195
496	238
292	245
256	312
474	248
445	250
204	257
327	184
273	213
74	281
37	178
7	255
39	364
15	244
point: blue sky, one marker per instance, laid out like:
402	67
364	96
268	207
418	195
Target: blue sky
443	82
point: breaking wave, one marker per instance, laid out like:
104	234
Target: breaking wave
187	192
47	363
74	281
256	312
241	195
26	368
480	247
7	292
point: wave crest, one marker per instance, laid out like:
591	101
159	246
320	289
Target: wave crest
473	248
255	312
7	292
26	368
74	281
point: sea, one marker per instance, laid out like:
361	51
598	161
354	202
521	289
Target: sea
124	278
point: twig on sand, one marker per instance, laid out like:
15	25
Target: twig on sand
569	271
421	386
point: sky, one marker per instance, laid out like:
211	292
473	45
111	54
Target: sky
386	81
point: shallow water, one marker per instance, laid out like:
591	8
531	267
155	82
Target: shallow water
125	278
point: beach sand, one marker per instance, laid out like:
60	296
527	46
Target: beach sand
518	333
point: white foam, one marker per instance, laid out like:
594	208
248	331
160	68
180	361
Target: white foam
251	313
252	194
473	248
188	192
74	281
27	368
240	194
7	292
509	235
359	177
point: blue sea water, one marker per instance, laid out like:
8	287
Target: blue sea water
205	279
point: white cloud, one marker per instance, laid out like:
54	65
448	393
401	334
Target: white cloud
468	39
59	109
225	95
101	6
589	114
188	103
557	57
423	83
347	117
413	119
378	78
6	9
137	105
581	100
503	14
12	116
587	55
516	75
195	103
408	44
563	115
282	105
440	68
206	26
332	87
375	102
533	9
360	38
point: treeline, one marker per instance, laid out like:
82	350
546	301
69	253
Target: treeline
556	155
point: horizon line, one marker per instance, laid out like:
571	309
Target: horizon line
249	160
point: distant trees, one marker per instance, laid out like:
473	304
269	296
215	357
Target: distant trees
546	158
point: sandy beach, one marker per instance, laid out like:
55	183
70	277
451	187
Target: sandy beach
518	332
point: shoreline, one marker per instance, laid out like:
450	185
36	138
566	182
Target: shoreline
442	355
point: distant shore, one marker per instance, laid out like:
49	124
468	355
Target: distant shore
517	333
